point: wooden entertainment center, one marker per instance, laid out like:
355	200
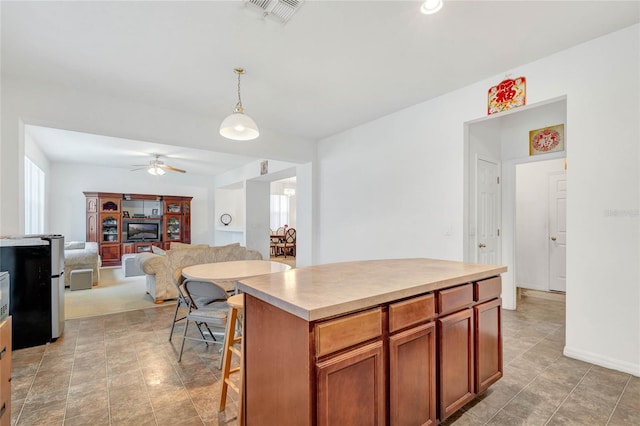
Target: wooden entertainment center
164	218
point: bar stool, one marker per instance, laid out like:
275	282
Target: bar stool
236	310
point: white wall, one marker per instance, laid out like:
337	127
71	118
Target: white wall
56	106
394	187
68	181
532	223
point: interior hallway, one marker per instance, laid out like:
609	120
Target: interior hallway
120	369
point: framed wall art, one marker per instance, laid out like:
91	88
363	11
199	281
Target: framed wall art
509	93
547	139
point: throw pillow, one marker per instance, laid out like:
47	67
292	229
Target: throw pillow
158	250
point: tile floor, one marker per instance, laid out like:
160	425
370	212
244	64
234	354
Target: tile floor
120	370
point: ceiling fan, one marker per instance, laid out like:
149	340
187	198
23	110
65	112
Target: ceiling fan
156	167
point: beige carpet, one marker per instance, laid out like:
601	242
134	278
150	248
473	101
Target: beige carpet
113	294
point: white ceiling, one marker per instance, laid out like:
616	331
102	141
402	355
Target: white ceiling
335	65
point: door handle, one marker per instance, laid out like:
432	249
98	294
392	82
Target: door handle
481	245
553	238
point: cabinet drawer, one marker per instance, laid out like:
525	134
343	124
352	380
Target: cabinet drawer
411	312
456	298
487	289
343	332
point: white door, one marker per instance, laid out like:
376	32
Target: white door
557	231
488	213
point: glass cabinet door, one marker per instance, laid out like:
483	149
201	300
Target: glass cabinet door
109	228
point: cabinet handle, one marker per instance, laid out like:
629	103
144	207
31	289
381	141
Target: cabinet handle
3	409
3	352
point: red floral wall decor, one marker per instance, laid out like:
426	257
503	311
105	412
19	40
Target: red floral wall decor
507	94
547	139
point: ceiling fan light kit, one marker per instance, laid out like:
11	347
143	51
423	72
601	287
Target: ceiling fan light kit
157	167
238	126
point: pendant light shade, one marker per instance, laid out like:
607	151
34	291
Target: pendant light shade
239	126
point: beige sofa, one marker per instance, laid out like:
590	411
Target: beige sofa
81	255
163	269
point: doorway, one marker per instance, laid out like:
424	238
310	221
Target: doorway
504	137
540	225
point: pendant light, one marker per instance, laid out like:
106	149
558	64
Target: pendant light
239	126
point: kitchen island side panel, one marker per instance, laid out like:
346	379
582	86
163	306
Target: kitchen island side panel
278	374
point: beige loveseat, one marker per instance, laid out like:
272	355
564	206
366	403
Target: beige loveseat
163	269
81	255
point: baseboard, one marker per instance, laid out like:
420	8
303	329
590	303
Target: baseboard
606	362
549	295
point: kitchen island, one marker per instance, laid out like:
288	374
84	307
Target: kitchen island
400	342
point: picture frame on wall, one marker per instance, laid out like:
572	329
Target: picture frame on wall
546	140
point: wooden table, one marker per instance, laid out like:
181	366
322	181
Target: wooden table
227	273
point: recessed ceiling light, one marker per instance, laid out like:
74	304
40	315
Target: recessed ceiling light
429	7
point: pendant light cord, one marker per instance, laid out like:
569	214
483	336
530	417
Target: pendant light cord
238	107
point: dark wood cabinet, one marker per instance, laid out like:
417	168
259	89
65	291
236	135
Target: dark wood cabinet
107	216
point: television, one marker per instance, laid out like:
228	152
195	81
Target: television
143	231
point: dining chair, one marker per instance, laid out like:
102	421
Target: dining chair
207	309
288	244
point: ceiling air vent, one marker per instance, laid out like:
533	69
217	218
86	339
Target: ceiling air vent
278	10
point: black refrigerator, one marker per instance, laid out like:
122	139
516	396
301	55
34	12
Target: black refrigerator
35	264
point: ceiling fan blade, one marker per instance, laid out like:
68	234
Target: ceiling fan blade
173	169
139	168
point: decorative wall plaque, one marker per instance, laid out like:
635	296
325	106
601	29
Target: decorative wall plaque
547	139
509	93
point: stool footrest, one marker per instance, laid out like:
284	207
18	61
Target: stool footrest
232	385
235	351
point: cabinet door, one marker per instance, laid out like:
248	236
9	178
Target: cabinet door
455	336
5	372
488	343
412	376
172	227
128	248
186	228
92	227
109	228
110	254
351	388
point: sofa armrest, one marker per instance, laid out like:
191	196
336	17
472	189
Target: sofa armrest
152	263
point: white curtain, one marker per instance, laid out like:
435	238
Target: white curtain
279	211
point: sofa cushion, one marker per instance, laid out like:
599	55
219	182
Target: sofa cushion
74	245
183	246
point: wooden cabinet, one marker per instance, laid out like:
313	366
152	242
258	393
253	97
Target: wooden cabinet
409	362
412	362
107	216
455	359
351	387
487	318
5	372
110	253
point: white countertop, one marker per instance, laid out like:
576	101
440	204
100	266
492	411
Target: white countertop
316	292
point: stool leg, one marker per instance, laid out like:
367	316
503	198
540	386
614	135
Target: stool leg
227	355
